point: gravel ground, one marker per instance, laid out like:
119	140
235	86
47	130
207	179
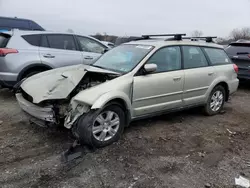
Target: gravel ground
184	149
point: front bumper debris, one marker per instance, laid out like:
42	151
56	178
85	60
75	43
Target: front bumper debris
41	113
76	110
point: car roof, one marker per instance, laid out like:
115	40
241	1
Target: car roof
30	32
161	42
15	18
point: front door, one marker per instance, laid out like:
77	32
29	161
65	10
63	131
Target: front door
161	90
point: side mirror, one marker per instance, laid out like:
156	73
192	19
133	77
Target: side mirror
105	50
149	68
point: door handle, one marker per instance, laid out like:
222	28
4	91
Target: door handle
210	73
88	57
48	56
177	78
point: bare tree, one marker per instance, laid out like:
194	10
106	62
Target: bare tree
70	30
243	33
196	33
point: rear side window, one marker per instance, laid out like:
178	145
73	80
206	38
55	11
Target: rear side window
44	41
217	56
234	49
32	39
64	42
4	39
193	57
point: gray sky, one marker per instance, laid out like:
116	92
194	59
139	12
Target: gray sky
133	17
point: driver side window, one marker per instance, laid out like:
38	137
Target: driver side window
90	45
167	59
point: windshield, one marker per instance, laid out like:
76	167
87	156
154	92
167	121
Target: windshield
123	58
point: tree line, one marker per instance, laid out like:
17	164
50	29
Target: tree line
236	34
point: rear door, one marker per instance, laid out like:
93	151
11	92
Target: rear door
58	50
91	49
198	75
240	55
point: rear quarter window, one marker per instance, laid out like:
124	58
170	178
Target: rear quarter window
217	56
32	39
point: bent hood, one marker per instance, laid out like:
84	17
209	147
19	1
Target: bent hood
57	83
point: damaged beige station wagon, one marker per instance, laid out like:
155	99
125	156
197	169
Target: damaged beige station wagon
139	79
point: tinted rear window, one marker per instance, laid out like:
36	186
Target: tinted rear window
234	49
217	56
4	39
65	42
32	39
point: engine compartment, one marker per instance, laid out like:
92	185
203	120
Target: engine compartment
91	79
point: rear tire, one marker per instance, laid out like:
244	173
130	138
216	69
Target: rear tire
96	129
29	74
215	101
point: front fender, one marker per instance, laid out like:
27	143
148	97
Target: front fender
106	97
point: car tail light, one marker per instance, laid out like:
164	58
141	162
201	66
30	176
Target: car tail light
248	55
236	69
5	51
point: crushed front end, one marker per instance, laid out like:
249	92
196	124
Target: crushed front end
56	106
37	113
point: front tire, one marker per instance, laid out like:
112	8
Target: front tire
101	127
215	101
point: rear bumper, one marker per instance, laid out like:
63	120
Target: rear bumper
41	113
243	76
8	79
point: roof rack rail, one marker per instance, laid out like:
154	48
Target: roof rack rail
176	36
207	39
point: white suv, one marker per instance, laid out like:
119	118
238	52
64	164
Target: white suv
25	53
134	80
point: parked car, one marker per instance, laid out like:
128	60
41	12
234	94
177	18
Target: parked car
239	52
25	53
8	23
135	80
109	44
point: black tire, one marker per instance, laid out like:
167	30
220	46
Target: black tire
83	128
29	74
207	109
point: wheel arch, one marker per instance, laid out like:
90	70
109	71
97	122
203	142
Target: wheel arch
226	87
117	97
36	66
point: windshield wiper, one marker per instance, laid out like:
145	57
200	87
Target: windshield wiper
97	66
104	68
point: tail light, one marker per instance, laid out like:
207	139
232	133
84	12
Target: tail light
248	55
236	69
5	51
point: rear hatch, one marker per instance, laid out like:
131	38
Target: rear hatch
239	52
4	50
